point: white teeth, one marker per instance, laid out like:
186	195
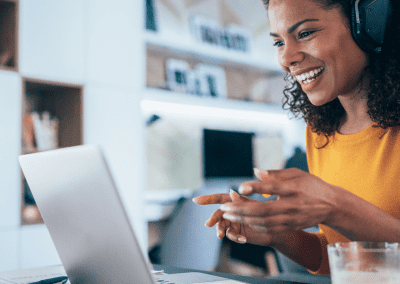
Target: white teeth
309	76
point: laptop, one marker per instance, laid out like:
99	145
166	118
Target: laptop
84	214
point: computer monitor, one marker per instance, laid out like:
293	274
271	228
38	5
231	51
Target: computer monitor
227	154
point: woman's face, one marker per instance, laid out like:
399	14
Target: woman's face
316	47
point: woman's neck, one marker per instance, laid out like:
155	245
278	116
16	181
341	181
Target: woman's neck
356	118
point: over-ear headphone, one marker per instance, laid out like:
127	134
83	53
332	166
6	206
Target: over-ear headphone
369	22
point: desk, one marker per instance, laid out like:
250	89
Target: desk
284	279
58	271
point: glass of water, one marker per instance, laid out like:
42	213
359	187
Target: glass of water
364	262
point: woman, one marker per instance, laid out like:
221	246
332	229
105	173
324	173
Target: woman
349	95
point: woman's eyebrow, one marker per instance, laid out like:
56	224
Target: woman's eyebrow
295	26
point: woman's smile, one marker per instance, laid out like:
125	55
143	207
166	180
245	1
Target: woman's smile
311	78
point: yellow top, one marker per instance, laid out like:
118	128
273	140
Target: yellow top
366	163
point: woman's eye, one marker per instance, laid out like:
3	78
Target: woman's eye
305	34
278	43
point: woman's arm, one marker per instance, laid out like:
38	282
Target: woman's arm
359	220
302	247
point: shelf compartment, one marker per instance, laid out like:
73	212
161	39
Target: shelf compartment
63	101
8	34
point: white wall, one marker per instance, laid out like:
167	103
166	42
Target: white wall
97	44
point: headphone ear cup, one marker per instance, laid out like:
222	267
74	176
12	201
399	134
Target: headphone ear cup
369	28
354	27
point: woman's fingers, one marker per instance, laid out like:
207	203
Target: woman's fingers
259	209
215	218
235	236
222	226
219	198
237	197
261	221
279	175
270	187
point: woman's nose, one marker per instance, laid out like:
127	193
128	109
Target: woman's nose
290	55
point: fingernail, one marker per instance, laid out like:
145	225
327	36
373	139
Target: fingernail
206	224
259	171
223	207
242	240
245	189
194	200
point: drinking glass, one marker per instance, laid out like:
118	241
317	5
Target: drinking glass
364	262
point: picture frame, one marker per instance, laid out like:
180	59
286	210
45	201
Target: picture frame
239	38
205	30
177	75
212	81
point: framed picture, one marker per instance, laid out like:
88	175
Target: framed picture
239	38
212	81
194	83
177	75
205	30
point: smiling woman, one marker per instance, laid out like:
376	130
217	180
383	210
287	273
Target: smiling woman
343	80
380	90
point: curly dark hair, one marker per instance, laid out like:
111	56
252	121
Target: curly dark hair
383	88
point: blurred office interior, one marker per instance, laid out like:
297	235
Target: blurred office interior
184	97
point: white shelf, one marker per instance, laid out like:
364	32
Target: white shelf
164	96
216	113
188	48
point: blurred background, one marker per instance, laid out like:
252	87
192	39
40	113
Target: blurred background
184	97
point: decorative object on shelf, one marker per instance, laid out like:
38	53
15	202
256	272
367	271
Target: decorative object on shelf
205	30
194	83
177	75
239	38
46	131
151	23
28	134
209	31
212	81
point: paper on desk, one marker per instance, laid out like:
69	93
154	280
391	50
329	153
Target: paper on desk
31	275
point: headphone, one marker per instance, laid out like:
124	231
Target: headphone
369	22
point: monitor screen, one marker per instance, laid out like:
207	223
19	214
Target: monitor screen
227	154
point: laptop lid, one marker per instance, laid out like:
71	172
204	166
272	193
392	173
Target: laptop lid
85	216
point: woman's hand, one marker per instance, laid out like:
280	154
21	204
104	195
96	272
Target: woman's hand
237	232
304	200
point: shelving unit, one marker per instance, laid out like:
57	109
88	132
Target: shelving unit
8	35
173	39
187	48
64	102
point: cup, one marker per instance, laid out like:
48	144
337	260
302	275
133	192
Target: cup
364	262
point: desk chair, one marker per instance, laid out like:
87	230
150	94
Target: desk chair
188	243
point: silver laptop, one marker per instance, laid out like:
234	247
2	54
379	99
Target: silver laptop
81	207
